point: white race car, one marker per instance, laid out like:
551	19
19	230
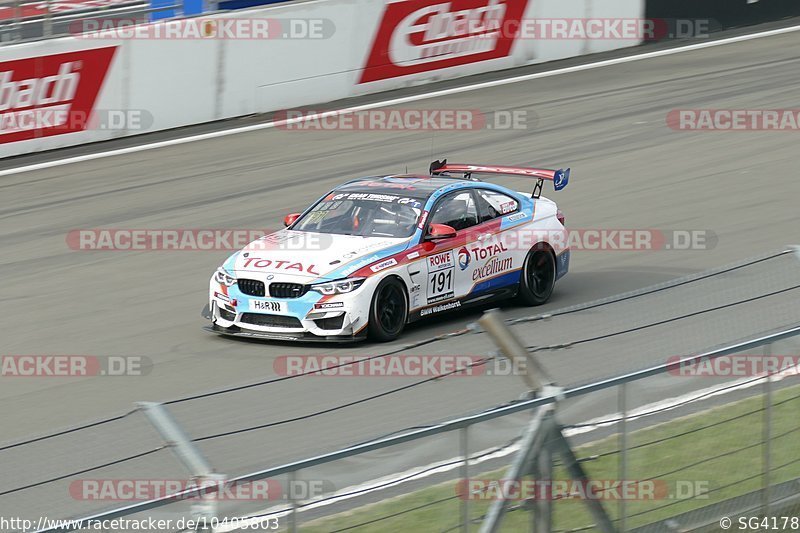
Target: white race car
377	253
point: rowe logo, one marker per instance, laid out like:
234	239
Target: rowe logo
423	35
50	95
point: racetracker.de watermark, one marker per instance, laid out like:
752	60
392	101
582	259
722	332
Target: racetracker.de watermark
741	365
591	239
442	27
734	120
602	29
570	489
195	489
397	366
205	29
62	116
74	366
258	240
392	119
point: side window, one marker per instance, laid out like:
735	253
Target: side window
457	210
493	204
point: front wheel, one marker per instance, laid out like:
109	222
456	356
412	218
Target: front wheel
389	310
538	276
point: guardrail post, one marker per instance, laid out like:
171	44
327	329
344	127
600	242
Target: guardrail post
292	476
543	503
465	496
187	453
48	19
622	391
767	437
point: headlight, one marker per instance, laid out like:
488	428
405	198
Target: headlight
222	276
338	287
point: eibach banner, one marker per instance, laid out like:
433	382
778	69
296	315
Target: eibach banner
50	95
424	35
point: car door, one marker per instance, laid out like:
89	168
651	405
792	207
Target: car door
449	263
497	258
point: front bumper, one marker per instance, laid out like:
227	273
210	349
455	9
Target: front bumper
309	317
235	331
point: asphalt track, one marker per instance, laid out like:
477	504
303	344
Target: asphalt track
629	171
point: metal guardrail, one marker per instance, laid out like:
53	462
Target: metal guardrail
550	395
460	424
48	23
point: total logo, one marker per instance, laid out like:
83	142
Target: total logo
463	258
488	251
258	262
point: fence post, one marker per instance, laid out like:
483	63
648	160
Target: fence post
623	447
292	477
48	19
205	510
767	436
465	495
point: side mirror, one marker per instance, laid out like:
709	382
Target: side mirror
440	231
288	220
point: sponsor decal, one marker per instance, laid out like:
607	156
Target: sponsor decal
422	219
463	258
383	265
440	261
516	216
417	36
487	251
50	95
222	297
266	305
374	197
258	262
441	274
440	297
359	264
329	305
440	308
493	266
412	255
508	207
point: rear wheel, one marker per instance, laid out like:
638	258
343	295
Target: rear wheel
389	310
538	276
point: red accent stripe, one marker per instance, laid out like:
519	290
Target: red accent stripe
542	173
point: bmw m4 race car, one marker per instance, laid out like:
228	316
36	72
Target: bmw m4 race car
379	252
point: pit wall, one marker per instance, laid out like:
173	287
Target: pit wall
115	83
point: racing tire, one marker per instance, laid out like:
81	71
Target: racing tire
538	276
388	311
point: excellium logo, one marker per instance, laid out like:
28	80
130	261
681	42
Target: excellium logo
423	35
50	95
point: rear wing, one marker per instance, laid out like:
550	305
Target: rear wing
560	177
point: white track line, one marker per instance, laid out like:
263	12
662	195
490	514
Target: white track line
395	101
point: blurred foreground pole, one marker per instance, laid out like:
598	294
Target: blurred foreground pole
191	458
540	440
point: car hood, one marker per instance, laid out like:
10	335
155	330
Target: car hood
311	256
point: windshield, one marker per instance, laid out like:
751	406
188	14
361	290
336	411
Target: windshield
363	213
